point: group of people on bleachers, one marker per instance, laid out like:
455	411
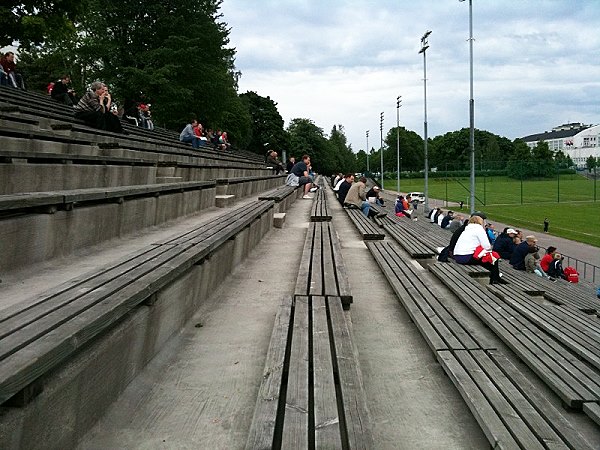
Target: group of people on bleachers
9	76
195	134
355	195
446	219
474	243
139	114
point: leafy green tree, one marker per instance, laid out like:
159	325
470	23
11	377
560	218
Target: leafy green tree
543	159
411	150
591	163
562	161
32	22
266	122
345	159
308	138
520	161
172	54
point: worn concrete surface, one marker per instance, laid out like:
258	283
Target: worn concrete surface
201	390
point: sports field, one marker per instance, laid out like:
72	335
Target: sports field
568	203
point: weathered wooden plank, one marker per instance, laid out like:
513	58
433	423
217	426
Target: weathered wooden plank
341	273
316	286
303	278
571	379
492	426
326	416
264	421
505	411
366	227
355	411
295	424
330	285
592	410
553	417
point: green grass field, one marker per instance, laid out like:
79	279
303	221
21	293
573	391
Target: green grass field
568	203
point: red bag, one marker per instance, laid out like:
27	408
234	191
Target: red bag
571	274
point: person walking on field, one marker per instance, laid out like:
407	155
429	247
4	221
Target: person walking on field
546	225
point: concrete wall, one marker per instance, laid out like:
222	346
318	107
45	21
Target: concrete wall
79	392
33	238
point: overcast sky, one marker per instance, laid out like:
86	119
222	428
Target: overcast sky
536	62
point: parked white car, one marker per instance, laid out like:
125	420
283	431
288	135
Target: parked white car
420	196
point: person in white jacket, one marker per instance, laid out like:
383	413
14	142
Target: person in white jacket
472	238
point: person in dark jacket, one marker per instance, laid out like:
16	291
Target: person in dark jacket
62	92
447	219
518	257
345	187
504	244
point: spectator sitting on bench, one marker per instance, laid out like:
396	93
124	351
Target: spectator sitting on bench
299	176
555	270
401	207
374	195
9	67
447	219
274	163
440	218
432	214
343	187
199	133
189	136
290	164
3	77
489	229
357	196
455	223
518	257
336	179
62	92
532	265
145	116
547	258
505	243
474	239
223	141
94	109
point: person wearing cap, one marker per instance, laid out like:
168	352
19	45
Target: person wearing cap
474	248
455	223
518	257
505	243
555	269
374	193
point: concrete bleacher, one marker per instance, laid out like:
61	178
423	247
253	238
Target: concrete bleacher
65	189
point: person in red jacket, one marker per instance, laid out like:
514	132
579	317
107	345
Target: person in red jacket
547	258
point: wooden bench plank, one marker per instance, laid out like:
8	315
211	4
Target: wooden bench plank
265	420
366	227
326	417
316	286
355	418
583	340
494	429
295	425
571	379
341	273
553	417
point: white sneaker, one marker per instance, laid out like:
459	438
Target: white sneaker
307	196
313	189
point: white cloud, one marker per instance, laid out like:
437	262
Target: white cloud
343	62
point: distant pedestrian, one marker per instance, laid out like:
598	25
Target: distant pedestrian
546	225
461	203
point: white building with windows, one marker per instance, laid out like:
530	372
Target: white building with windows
576	140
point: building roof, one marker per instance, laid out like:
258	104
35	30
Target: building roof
555	134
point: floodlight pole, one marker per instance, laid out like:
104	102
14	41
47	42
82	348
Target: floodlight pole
381	147
471	108
398	105
424	47
367	134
